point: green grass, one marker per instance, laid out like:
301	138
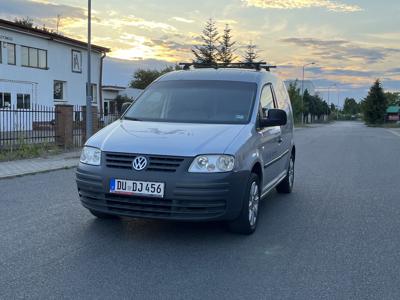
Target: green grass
29	151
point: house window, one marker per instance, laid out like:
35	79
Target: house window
106	106
33	57
5	100
94	93
23	101
59	90
11	54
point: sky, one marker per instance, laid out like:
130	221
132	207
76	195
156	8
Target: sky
352	42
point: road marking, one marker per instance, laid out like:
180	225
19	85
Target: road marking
394	132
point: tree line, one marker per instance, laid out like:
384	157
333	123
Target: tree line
307	104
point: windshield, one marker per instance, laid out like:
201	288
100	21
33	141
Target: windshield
195	101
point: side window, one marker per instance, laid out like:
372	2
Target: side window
266	99
282	96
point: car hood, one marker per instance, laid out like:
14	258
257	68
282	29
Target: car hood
161	138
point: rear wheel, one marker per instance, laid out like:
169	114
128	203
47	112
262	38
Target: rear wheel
101	215
246	223
286	186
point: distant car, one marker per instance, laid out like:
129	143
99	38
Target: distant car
197	145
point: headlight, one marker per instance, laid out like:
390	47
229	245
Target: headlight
90	156
212	164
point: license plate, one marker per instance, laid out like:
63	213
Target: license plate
133	187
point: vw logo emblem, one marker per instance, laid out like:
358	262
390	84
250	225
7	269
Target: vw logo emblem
139	163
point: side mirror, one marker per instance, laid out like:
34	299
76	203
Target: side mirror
125	106
276	117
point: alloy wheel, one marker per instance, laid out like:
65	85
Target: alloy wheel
254	199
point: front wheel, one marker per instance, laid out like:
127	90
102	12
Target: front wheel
246	223
286	185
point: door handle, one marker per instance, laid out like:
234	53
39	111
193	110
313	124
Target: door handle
280	140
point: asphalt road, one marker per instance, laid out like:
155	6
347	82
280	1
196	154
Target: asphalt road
336	237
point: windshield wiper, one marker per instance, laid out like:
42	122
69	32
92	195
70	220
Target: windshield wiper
132	119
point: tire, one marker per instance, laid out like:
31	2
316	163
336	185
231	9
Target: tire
286	185
101	215
246	223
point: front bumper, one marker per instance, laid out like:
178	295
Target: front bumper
187	196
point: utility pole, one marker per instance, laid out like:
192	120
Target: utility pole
89	121
302	92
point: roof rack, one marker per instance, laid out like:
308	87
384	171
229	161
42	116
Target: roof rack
241	65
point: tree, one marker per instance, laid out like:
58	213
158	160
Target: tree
375	104
295	100
27	22
207	52
307	104
393	99
142	78
251	53
351	107
226	52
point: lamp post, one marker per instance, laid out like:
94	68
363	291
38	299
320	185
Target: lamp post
89	121
302	92
329	93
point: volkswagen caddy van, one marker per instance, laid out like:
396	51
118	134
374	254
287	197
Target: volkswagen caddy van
197	145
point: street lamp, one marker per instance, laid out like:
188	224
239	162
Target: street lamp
89	121
302	92
329	92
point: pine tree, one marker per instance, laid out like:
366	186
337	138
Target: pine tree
207	52
226	51
251	53
375	104
295	99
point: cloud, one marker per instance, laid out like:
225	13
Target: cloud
183	20
131	20
342	50
296	4
18	8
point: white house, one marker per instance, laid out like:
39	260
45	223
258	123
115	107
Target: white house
40	67
110	92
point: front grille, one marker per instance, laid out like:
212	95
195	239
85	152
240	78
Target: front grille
164	207
155	162
188	201
137	206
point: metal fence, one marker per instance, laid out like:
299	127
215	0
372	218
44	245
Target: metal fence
78	127
101	121
19	126
37	125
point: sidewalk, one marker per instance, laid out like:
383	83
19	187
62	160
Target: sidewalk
38	165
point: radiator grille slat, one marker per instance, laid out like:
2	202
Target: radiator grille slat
155	163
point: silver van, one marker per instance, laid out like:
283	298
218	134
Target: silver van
197	145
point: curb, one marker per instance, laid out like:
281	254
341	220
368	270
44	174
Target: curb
65	166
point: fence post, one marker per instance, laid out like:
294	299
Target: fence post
95	122
64	125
